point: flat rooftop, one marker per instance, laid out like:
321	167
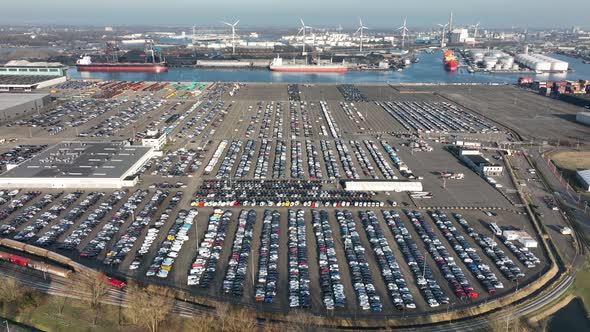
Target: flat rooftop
26	80
80	159
476	159
8	100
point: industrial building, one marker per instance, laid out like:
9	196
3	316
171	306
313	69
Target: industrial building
583	118
22	75
80	164
382	185
521	236
583	177
458	36
480	164
155	139
15	105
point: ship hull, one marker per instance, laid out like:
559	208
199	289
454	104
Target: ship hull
319	69
156	68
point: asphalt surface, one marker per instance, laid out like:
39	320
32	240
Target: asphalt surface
377	125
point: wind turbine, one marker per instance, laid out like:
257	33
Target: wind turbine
442	34
360	29
475	30
302	31
404	30
233	35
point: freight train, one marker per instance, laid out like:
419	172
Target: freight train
35	265
44	267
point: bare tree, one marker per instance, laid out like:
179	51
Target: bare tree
94	288
148	307
10	290
202	323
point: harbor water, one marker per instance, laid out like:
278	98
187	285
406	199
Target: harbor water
429	70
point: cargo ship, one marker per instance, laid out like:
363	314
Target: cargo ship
278	66
85	62
450	60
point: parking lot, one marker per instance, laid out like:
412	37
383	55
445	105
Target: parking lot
246	204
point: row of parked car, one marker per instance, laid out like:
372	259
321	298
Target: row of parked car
142	219
228	162
294	121
351	93
261	170
332	125
124	118
245	163
330	284
332	167
27	214
446	263
423	274
240	253
181	162
390	271
362	280
153	232
72	113
307	126
436	117
293	92
296	160
346	160
383	165
279	165
203	268
92	220
268	257
149	240
17	203
314	165
20	153
264	185
299	282
466	253
265	122
171	246
353	113
508	268
110	228
51	236
526	257
364	161
44	219
277	130
204	116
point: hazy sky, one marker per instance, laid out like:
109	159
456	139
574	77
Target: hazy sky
375	13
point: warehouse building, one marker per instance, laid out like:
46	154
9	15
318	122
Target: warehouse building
482	165
522	237
83	165
25	76
382	185
155	138
583	177
15	105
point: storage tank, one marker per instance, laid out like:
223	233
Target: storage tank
489	62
